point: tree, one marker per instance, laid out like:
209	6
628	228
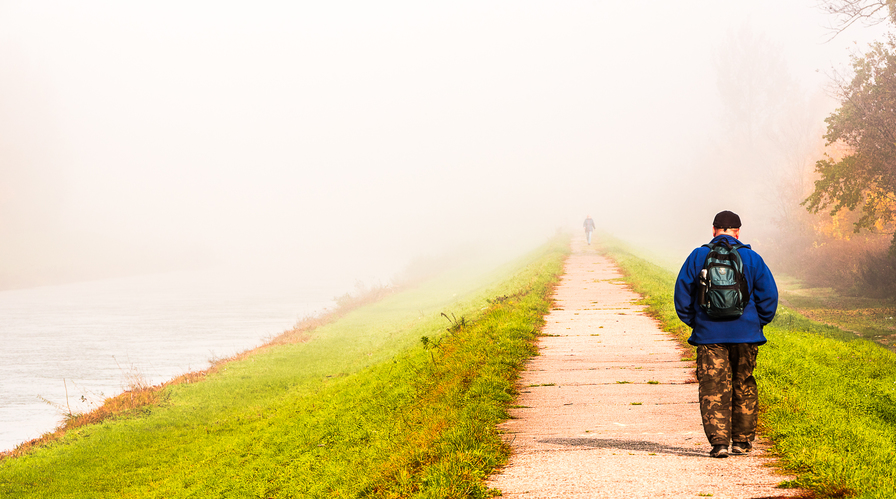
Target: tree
869	12
754	86
865	124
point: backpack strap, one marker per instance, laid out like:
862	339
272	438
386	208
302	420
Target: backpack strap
748	293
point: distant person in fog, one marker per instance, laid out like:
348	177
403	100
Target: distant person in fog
589	228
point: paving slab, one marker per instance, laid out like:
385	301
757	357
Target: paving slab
609	408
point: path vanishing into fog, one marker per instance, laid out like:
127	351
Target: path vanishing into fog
609	409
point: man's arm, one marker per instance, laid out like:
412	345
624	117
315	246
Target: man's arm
765	293
684	290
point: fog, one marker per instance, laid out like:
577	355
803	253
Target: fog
353	137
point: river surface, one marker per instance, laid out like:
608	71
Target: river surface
69	346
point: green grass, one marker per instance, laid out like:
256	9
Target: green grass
870	318
367	407
827	396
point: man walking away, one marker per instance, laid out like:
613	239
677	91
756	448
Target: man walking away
589	228
726	331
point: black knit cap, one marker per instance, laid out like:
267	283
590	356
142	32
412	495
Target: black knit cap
726	220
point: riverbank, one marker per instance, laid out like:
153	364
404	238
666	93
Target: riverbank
367	406
67	348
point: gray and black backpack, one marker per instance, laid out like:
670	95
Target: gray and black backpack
722	290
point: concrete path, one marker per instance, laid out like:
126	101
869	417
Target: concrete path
609	409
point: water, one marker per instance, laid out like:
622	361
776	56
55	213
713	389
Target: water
70	346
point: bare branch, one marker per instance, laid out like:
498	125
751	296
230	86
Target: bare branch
849	12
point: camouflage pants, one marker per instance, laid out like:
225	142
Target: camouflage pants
728	393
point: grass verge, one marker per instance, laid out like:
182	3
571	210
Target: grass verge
871	318
391	400
828	397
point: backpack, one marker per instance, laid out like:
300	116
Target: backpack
722	290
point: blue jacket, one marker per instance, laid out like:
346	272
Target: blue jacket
759	311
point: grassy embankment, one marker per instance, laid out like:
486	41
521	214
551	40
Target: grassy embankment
391	400
871	318
828	397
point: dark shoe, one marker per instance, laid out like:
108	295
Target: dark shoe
719	451
741	447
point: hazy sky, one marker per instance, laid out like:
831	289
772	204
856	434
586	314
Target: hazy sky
361	134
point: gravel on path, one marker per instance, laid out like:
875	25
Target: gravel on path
608	409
